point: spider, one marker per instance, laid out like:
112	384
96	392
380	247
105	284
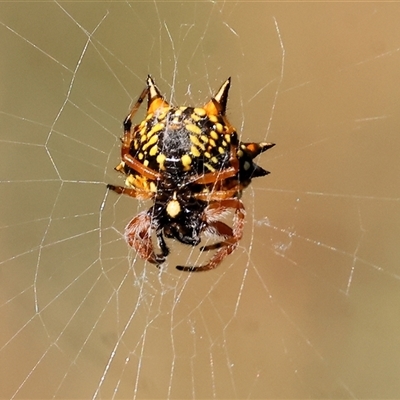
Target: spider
191	164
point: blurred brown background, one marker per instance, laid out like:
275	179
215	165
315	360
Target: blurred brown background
308	306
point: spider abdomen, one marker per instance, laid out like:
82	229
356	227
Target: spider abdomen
183	140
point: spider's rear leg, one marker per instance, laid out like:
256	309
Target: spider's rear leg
137	193
235	233
138	235
220	229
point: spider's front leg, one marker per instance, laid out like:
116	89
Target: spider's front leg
232	235
137	193
138	234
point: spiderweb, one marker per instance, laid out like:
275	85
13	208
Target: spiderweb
307	306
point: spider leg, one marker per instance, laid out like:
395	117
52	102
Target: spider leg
138	233
217	195
133	163
231	242
217	176
218	228
138	236
137	193
163	247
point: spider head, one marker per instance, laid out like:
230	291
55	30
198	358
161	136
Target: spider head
180	217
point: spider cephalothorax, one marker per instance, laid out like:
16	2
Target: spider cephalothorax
190	162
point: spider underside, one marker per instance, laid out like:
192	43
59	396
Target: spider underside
190	163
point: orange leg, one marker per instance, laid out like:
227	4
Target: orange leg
231	242
136	165
138	235
221	229
137	193
217	195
